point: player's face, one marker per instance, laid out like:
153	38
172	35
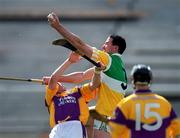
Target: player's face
108	46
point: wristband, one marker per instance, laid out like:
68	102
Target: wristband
97	71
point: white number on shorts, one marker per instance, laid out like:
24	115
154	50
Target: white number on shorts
148	114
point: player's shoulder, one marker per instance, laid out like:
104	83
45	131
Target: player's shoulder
162	98
127	100
74	90
116	58
100	52
116	55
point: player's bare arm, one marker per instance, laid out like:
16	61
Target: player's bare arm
55	75
96	79
75	77
72	38
61	69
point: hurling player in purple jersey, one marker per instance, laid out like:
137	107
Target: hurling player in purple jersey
68	107
144	114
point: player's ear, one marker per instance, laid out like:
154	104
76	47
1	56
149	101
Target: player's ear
132	82
116	48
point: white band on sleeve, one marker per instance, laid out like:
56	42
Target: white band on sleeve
95	54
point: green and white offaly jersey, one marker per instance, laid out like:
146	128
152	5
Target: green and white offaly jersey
115	75
114	82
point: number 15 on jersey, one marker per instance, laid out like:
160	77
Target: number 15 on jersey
147	113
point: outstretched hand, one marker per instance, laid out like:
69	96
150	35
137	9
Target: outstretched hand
46	80
53	20
74	57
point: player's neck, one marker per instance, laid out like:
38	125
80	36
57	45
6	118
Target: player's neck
142	87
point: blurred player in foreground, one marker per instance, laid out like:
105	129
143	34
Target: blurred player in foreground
114	79
144	114
68	107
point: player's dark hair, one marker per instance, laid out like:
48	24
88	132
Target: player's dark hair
120	42
141	73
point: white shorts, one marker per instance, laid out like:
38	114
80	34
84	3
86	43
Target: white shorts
69	129
101	126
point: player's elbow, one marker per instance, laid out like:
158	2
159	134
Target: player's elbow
53	79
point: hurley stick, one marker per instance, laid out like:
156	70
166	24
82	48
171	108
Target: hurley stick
66	44
22	79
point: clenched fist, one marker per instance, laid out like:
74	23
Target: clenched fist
53	20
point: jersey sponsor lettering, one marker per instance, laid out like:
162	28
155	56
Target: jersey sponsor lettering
66	100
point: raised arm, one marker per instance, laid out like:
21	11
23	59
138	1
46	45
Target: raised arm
75	77
72	38
56	75
96	79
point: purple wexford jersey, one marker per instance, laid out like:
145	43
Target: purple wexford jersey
66	106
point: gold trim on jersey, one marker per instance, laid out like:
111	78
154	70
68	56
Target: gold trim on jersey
94	54
109	64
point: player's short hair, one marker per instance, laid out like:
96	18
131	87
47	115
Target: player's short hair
119	41
141	74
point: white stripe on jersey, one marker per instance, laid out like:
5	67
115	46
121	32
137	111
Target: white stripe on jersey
113	83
